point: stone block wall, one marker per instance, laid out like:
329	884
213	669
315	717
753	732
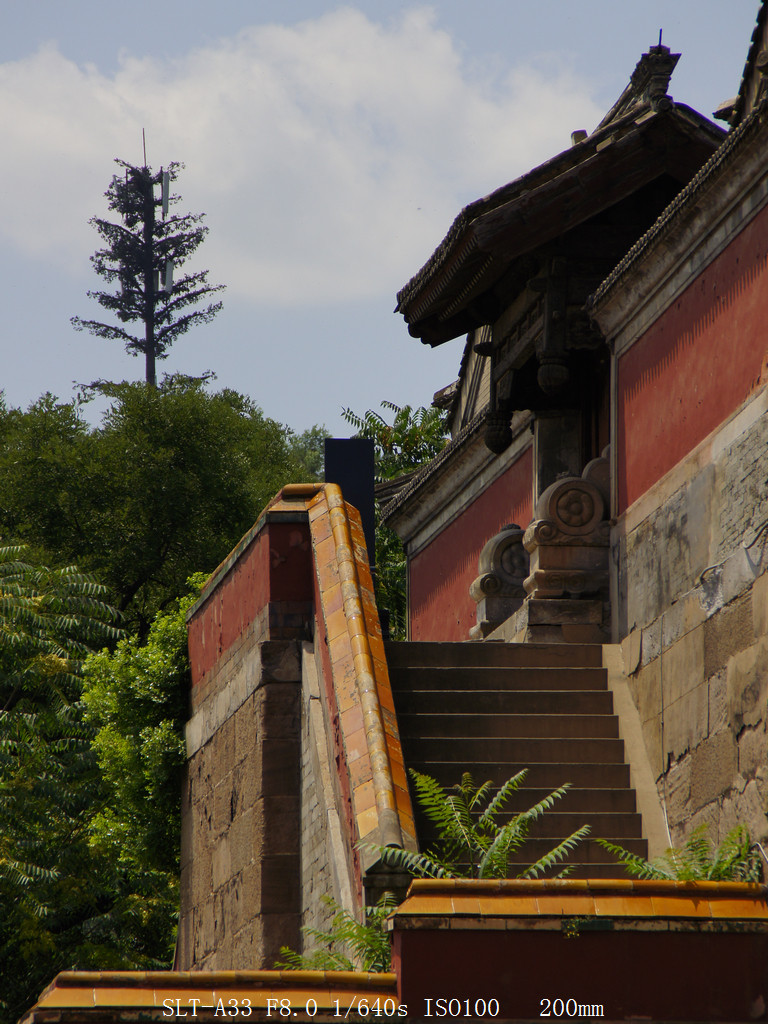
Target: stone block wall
240	871
325	870
240	861
691	559
285	771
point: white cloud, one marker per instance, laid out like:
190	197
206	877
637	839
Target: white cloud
330	156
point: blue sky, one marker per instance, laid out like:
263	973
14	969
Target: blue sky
330	147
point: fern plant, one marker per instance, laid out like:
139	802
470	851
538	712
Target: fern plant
736	859
472	843
349	945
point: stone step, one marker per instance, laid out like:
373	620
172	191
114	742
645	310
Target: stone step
587	851
556	823
486	654
470	750
576	799
581	800
437	725
510	702
448	766
410	678
586	860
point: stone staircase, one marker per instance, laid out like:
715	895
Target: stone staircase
494	708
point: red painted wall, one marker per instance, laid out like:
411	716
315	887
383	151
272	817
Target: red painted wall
695	366
701	976
276	566
440	575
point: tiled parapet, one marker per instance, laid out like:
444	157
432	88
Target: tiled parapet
616	949
78	997
302	573
353	654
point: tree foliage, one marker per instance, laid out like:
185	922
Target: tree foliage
412	439
162	488
52	892
141	255
736	859
472	842
136	700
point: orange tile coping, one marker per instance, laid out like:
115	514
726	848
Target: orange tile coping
600	898
147	991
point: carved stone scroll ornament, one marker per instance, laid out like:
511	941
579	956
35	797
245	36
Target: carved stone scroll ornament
498	590
569	539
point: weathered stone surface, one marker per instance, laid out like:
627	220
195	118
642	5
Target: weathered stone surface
727	632
658	561
747	682
744	808
709	816
718	702
753	750
760	605
222	864
713	769
650	643
645	687
682	666
677	790
685	722
276	820
652	738
280	661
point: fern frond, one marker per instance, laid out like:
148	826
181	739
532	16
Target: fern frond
560	852
420	865
488	817
636	866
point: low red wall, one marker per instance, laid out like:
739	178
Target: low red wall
716	976
440	575
275	567
695	366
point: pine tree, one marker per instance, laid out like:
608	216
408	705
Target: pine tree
141	255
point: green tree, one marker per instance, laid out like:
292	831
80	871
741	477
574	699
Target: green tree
52	893
141	256
164	487
410	441
135	698
472	842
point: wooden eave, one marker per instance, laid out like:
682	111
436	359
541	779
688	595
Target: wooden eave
450	294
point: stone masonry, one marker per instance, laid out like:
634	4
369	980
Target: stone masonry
693	603
240	814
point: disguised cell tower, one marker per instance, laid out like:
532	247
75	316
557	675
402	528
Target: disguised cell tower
142	254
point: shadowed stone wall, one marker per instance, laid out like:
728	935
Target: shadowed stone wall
240	860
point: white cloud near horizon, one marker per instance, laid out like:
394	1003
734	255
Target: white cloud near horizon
330	156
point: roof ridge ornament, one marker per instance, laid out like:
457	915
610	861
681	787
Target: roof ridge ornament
648	84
